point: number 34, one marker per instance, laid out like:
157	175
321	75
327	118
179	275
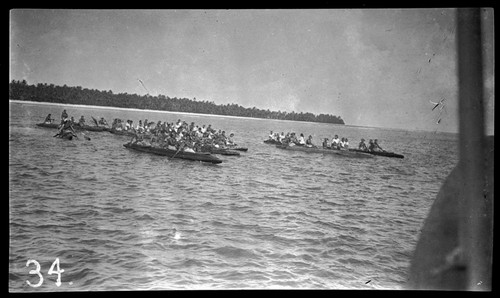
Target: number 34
51	271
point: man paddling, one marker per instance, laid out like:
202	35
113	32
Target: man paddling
377	146
64	115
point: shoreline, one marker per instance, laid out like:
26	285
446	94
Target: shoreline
158	111
208	115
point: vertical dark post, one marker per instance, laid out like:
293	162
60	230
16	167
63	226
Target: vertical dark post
475	225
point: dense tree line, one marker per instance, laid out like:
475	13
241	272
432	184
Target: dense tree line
21	90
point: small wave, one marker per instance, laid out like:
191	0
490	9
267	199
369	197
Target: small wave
234	252
144	217
47	198
191	263
353	261
118	210
83	212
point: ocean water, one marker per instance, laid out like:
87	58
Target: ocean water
117	219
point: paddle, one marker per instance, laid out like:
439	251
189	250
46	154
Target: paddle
175	153
95	121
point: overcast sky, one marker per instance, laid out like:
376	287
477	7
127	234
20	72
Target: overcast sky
371	67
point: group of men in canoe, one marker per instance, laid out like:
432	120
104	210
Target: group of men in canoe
175	136
67	124
182	136
291	139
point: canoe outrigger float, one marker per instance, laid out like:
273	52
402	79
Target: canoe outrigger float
197	156
344	153
75	126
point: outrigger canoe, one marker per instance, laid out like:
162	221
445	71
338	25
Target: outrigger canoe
379	153
75	126
344	153
197	156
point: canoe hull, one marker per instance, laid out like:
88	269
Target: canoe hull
221	151
244	149
343	153
272	142
173	153
383	153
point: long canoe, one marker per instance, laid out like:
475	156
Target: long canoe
197	156
344	153
76	127
379	153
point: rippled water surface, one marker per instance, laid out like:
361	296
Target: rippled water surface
124	220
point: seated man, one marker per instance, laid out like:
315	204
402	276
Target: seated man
335	142
81	122
271	135
325	143
362	145
48	119
309	142
102	121
301	140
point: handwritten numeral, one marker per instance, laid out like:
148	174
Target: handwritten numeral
36	271
58	271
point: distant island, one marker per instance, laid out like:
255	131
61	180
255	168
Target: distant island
21	90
